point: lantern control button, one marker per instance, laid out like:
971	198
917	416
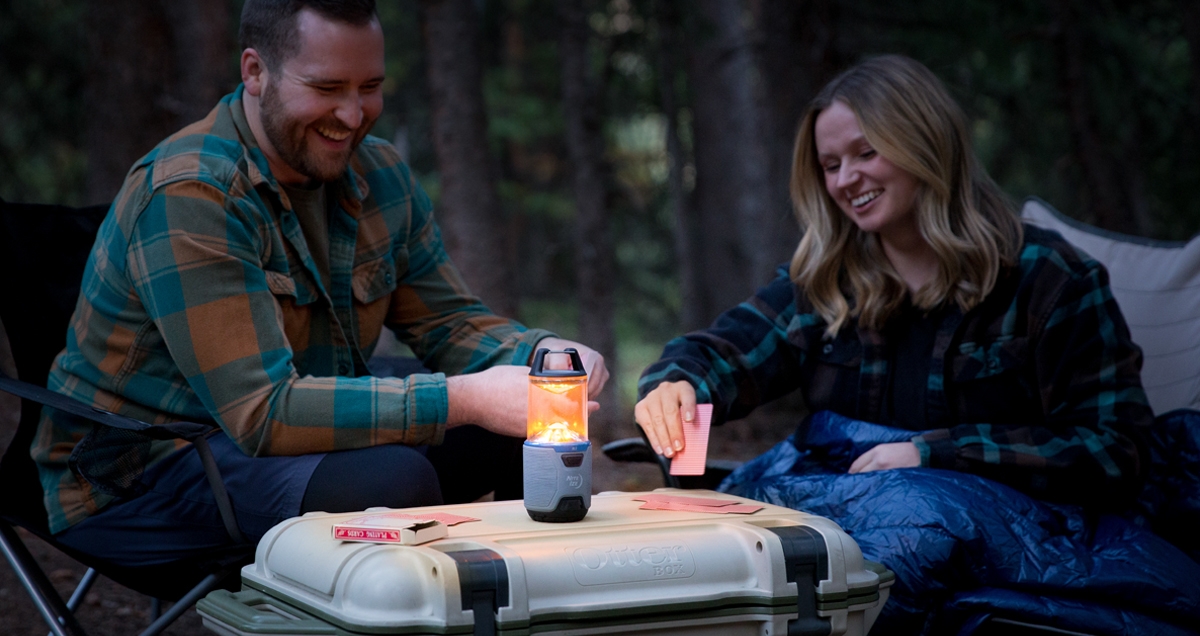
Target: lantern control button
572	460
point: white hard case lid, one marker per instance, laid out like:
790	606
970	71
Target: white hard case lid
615	560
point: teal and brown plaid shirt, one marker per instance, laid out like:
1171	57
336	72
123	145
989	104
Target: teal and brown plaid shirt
1038	387
201	302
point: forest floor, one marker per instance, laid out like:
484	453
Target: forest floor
112	610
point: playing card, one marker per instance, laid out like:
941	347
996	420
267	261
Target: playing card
655	497
742	509
384	517
690	460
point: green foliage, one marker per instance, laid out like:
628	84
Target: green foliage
406	119
1000	59
42	61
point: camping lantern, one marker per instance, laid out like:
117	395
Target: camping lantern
557	455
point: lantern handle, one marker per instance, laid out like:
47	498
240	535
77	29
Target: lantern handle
576	361
539	361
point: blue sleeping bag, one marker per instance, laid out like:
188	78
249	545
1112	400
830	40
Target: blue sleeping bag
966	549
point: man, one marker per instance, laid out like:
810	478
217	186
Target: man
243	276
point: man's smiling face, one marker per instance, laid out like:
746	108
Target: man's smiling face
317	105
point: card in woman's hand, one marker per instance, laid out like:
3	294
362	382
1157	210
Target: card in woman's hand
690	460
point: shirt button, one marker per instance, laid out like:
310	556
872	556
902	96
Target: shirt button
827	349
343	369
387	278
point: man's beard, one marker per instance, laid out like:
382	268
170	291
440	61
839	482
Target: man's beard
288	137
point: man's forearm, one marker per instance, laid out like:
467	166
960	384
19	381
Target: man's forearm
496	399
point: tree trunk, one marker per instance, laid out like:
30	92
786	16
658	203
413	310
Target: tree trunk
132	68
152	69
687	226
1108	192
731	162
203	50
594	259
1190	12
470	214
797	57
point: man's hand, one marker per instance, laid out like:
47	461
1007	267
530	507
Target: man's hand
496	399
593	362
662	414
884	456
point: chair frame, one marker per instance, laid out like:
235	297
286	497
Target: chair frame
18	470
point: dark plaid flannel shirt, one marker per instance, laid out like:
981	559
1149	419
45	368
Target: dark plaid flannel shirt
1038	387
201	302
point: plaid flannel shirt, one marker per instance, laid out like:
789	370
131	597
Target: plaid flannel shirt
201	302
1038	387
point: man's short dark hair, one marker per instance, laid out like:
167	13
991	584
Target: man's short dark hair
269	26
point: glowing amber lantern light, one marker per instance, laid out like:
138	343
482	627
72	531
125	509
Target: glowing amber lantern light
557	455
557	410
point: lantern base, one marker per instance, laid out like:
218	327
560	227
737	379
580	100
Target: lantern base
569	509
558	481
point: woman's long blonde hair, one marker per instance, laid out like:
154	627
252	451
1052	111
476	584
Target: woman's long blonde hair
908	117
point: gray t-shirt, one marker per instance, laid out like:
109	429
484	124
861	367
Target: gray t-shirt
312	210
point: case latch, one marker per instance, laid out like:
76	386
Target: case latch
483	579
807	564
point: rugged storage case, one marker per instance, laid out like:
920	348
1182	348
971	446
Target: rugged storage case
621	570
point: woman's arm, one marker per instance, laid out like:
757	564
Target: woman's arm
743	360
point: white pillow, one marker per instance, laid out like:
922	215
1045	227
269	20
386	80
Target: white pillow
1157	286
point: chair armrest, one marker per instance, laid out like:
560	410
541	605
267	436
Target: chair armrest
637	450
107	421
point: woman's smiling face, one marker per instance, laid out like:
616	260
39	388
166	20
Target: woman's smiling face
876	194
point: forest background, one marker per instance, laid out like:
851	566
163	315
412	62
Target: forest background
616	170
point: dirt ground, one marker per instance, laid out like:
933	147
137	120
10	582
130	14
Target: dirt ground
112	610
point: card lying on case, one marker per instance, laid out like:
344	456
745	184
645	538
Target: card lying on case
690	460
656	501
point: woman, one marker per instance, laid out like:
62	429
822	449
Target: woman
916	299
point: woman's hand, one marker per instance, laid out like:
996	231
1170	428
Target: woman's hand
884	456
662	414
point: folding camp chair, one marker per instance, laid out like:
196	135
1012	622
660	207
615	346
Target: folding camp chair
1157	286
43	251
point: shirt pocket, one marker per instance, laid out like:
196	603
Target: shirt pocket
981	360
830	371
373	283
991	383
373	280
295	300
808	336
842	353
289	289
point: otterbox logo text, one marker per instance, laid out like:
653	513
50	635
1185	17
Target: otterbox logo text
628	562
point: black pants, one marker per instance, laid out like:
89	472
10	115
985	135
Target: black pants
470	463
